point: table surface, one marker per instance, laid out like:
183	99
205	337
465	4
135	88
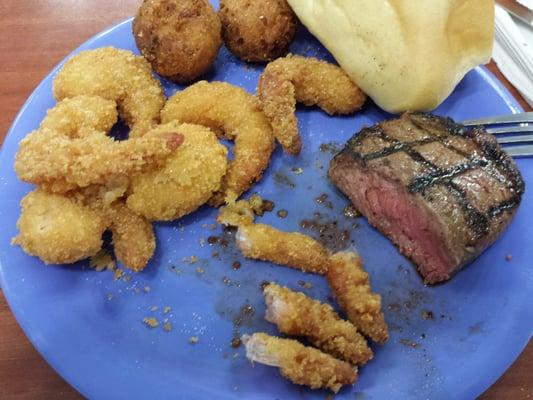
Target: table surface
34	36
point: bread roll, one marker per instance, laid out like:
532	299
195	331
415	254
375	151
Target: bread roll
407	55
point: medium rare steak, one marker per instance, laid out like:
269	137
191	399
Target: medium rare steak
440	191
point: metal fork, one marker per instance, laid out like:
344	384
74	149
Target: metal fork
514	141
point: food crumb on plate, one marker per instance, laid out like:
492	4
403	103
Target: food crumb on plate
167	309
167	327
304	284
154	308
297	170
151	322
427	315
509	257
409	343
200	271
190	260
193	339
351	212
147	289
282	213
118	273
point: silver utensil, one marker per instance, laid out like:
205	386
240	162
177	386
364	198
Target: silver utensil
514	145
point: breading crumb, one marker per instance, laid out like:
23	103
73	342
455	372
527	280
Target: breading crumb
193	339
297	170
151	322
167	327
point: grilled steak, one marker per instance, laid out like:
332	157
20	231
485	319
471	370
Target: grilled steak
440	191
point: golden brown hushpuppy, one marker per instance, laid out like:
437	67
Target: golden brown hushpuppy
257	31
180	38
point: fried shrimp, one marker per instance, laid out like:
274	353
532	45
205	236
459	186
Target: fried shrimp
81	115
58	229
133	236
116	75
188	179
70	150
233	114
296	314
351	287
306	80
300	364
264	242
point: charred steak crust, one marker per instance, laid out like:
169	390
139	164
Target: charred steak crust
437	169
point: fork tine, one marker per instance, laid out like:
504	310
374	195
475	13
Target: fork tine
520	151
510	129
501	119
516	139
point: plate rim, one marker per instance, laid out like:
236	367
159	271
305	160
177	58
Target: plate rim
485	73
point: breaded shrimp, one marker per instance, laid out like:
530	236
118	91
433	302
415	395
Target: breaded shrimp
58	229
306	80
300	364
296	314
69	151
133	236
77	116
188	178
294	249
351	287
116	75
233	114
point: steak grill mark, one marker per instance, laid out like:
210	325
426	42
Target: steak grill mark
479	222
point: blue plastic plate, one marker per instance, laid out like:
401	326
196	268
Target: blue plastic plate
449	341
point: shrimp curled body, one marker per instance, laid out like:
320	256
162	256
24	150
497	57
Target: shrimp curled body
70	150
233	114
310	81
188	178
116	75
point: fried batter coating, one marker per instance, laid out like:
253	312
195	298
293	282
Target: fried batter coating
264	242
116	75
188	179
296	314
70	149
233	114
236	214
300	364
77	116
306	80
57	229
180	38
133	236
257	31
351	287
59	164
